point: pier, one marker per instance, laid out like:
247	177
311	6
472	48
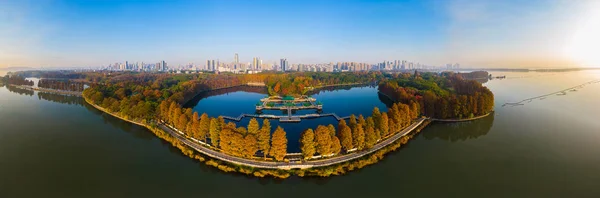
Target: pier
286	118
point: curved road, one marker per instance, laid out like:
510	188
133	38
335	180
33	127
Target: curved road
287	165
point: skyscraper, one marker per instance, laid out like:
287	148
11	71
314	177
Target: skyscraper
236	59
284	64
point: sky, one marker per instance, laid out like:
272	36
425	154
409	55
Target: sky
474	33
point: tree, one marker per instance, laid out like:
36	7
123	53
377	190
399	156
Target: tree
345	135
250	145
278	144
362	121
331	130
173	110
336	147
358	137
182	122
383	125
371	124
307	143
370	137
264	136
323	139
352	122
377	117
214	132
204	126
253	126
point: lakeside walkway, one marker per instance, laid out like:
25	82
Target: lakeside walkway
206	150
212	152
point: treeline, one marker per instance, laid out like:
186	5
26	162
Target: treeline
359	133
18	80
445	96
61	85
231	139
473	75
297	82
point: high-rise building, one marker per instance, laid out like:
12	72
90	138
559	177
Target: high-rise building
236	59
284	64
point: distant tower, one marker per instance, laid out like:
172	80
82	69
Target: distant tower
236	59
283	64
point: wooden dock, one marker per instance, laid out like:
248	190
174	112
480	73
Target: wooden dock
286	118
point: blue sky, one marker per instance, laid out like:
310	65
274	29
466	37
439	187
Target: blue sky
476	33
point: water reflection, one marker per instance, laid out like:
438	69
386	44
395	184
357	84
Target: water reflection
206	94
20	91
59	98
461	131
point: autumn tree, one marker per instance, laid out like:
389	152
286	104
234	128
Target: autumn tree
331	129
264	136
362	121
336	146
345	135
307	143
250	145
214	132
376	117
278	144
383	125
253	126
323	140
358	137
370	137
204	127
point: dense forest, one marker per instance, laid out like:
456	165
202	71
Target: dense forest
300	83
440	96
66	85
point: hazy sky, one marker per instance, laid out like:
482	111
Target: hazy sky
507	33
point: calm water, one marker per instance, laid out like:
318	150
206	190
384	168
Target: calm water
344	102
54	146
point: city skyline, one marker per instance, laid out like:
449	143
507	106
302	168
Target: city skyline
490	34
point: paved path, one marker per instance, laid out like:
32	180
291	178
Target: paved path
286	165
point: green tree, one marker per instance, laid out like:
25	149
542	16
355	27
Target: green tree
214	132
307	143
278	144
253	126
264	136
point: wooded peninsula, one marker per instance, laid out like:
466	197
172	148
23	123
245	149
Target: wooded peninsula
156	100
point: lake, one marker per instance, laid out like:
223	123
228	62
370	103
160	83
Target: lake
344	101
57	146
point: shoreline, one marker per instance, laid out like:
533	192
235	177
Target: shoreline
447	120
72	93
260	168
286	167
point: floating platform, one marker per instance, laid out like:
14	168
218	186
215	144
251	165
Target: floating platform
289	119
